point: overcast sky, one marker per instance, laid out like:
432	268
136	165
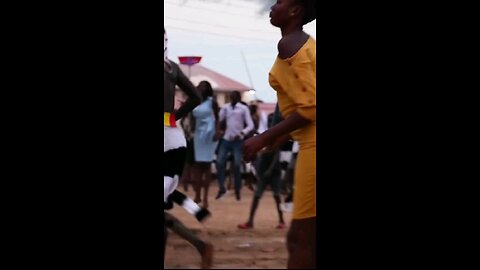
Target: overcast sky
219	31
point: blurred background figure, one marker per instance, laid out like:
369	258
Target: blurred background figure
255	119
268	174
204	141
238	123
287	180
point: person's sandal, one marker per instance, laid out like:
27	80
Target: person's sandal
245	226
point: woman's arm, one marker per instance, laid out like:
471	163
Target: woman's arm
268	172
274	135
216	110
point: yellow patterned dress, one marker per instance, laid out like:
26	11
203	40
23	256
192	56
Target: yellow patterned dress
294	80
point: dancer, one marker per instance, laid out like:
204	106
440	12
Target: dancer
293	76
174	141
204	248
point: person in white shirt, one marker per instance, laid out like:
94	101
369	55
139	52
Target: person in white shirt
238	123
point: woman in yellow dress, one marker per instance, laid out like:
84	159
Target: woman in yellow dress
293	76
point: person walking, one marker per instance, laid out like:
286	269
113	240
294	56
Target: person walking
268	173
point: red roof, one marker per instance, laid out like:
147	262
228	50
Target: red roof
219	82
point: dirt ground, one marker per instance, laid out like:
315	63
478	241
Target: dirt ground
263	247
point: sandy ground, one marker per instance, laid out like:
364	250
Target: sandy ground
260	248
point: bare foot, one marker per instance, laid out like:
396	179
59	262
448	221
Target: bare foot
207	256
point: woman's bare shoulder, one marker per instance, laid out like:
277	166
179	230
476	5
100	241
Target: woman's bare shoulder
289	45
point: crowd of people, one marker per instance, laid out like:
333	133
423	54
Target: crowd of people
200	137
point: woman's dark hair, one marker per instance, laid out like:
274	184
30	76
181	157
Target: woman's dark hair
309	10
209	93
208	89
270	119
253	108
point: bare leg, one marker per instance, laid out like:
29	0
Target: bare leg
205	249
206	182
197	179
185	179
301	244
280	213
253	209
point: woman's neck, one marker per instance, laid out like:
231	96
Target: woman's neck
293	29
